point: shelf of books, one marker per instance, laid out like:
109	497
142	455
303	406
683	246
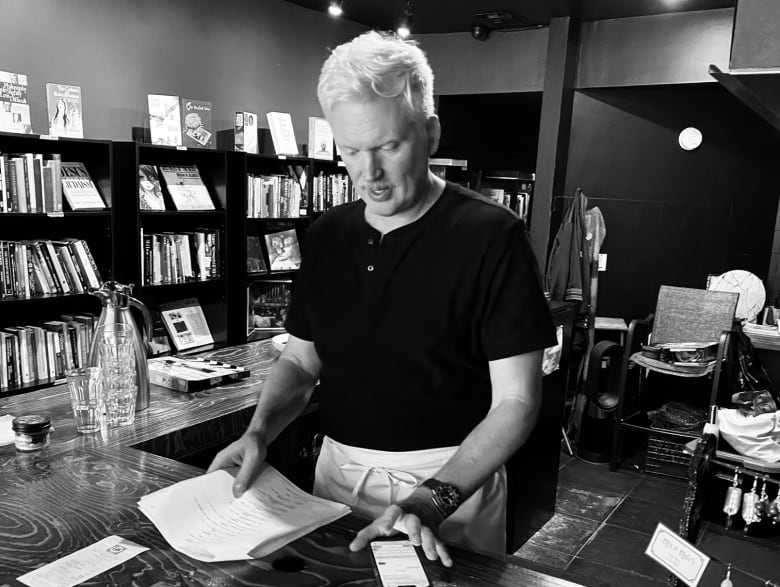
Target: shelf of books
172	224
55	244
331	185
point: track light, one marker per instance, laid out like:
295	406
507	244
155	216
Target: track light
334	9
405	28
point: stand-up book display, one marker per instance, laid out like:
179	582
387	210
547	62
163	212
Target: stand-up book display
14	108
320	139
196	123
150	196
245	132
282	133
186	324
79	190
64	103
164	119
186	187
284	254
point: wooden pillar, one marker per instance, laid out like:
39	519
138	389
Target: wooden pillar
554	129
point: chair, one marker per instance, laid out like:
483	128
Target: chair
682	315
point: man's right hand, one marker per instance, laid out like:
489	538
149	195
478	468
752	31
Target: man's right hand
248	452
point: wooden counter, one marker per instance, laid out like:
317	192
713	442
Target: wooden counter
86	487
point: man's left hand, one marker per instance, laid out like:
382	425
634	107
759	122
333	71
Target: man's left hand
416	518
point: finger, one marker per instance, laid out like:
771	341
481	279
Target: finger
247	474
382	526
413	529
221	461
429	541
444	554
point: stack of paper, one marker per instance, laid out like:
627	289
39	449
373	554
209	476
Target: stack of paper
200	517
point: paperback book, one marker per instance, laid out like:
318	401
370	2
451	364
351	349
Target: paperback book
150	196
14	107
196	123
65	110
255	260
245	132
282	133
192	374
186	324
284	254
164	119
79	190
320	138
186	187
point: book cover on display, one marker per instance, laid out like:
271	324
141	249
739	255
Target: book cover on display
320	138
255	259
65	110
196	123
164	119
150	196
282	133
186	187
245	132
186	324
79	190
268	302
14	107
284	254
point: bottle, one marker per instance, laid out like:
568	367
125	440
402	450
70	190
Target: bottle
117	302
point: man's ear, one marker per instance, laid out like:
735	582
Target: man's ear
433	127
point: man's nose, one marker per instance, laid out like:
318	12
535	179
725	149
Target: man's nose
372	166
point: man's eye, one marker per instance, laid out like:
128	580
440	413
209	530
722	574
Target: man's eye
390	147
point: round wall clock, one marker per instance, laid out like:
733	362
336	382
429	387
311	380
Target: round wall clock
750	288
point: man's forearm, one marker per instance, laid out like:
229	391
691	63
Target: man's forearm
490	444
285	394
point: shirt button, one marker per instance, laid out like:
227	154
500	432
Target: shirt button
370	241
370	267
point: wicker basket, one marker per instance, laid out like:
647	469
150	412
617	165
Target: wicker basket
665	454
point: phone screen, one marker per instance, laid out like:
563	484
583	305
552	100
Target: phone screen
397	564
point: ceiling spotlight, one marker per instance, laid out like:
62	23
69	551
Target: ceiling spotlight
404	29
334	8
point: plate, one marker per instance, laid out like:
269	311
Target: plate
750	288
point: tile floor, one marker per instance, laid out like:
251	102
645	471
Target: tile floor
604	521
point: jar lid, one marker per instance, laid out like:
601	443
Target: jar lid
31	423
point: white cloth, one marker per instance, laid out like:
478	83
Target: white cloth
371	480
757	437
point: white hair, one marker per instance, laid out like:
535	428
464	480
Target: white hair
381	64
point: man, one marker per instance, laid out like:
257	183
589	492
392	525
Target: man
419	310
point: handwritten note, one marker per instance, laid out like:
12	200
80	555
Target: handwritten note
201	518
84	564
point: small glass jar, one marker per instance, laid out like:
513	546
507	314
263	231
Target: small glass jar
32	432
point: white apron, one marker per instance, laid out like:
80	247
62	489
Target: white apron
370	480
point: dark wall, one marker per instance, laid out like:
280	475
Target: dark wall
672	216
492	131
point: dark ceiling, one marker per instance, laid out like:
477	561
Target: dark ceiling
448	16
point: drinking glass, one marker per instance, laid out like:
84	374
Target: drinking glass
87	398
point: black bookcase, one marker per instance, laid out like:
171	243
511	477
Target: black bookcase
94	227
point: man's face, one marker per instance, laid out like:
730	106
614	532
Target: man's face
386	153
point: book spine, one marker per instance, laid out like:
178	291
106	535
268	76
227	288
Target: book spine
48	256
5	269
13	274
3	365
3	185
21	183
37	167
12	359
175	383
29	182
92	263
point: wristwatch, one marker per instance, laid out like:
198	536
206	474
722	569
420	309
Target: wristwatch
444	496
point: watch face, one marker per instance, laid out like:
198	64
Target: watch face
448	496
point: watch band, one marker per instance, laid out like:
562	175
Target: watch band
445	496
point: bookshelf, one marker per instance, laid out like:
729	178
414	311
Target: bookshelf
116	235
93	227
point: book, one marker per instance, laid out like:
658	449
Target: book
282	133
196	123
164	119
186	324
150	196
79	190
65	110
200	517
284	253
255	259
245	132
186	187
14	107
192	374
320	138
269	301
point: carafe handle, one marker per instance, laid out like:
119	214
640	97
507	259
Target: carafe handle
147	318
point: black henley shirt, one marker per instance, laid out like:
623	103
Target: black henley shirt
405	324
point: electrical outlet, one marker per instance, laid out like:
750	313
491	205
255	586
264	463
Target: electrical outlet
602	261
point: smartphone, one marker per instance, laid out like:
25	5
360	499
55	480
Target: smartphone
397	564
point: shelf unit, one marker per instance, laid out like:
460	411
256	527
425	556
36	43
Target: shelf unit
94	227
114	234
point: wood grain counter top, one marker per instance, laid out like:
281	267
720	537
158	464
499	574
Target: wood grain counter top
86	487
